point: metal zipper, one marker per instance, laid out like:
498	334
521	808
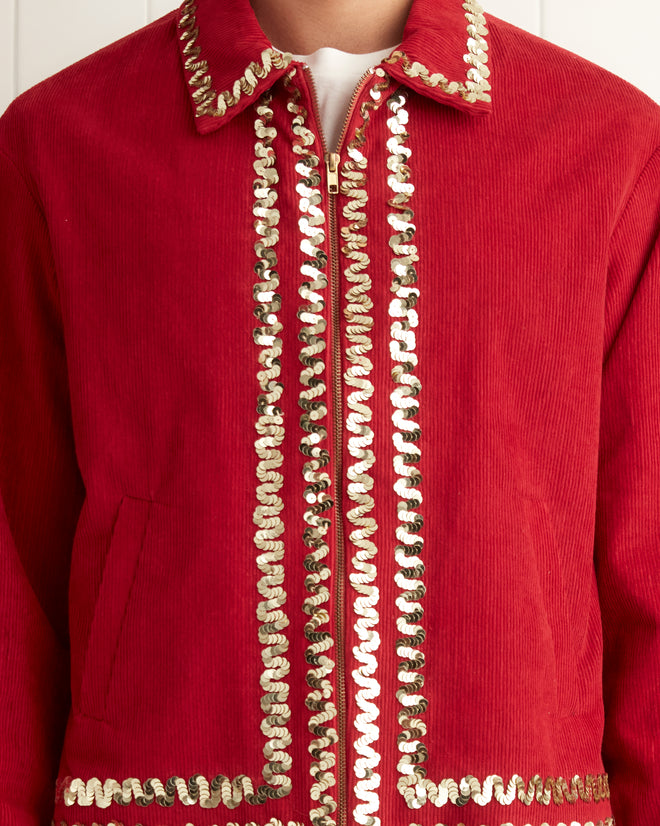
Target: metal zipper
332	179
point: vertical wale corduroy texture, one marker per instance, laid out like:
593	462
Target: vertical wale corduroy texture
227	594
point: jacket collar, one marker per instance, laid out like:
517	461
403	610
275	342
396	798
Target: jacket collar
228	61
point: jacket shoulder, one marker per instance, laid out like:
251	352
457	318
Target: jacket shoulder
122	70
558	85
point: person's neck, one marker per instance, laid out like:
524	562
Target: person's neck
303	26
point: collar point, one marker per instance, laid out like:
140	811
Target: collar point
471	95
204	124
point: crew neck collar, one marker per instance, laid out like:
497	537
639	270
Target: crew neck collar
378	55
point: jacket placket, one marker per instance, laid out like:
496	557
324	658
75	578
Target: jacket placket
367	95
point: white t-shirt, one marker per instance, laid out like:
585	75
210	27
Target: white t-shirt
336	74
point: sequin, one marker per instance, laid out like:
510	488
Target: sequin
475	86
208	101
360	482
593	788
406	437
312	400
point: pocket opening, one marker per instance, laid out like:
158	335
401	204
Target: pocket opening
122	559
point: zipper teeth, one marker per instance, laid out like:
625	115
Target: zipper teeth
336	429
341	668
349	112
336	425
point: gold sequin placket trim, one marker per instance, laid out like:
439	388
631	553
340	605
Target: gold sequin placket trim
360	482
406	439
557	790
207	100
313	445
476	85
270	429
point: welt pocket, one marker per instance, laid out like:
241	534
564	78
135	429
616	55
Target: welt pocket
119	573
546	553
551	579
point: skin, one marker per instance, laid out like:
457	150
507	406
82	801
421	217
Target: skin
302	26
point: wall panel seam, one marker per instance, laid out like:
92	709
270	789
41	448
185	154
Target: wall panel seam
14	46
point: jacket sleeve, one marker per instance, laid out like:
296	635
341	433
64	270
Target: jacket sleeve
41	494
627	535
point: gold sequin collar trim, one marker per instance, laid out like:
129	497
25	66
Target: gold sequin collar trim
471	86
202	78
443	55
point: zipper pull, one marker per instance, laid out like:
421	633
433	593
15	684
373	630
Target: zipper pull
332	167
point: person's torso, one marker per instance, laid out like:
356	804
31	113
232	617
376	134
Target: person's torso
340	454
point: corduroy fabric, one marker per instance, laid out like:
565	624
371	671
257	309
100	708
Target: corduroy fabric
129	395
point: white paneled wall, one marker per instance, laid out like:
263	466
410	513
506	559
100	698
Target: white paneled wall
39	37
48	36
7	51
617	35
523	13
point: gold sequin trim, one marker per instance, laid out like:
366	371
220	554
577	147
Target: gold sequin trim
270	429
593	788
360	483
272	822
476	86
609	821
313	446
207	100
406	437
208	794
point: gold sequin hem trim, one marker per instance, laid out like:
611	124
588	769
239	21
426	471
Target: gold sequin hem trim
591	789
197	790
272	822
207	100
476	86
609	821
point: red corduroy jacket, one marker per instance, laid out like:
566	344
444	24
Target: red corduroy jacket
330	476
